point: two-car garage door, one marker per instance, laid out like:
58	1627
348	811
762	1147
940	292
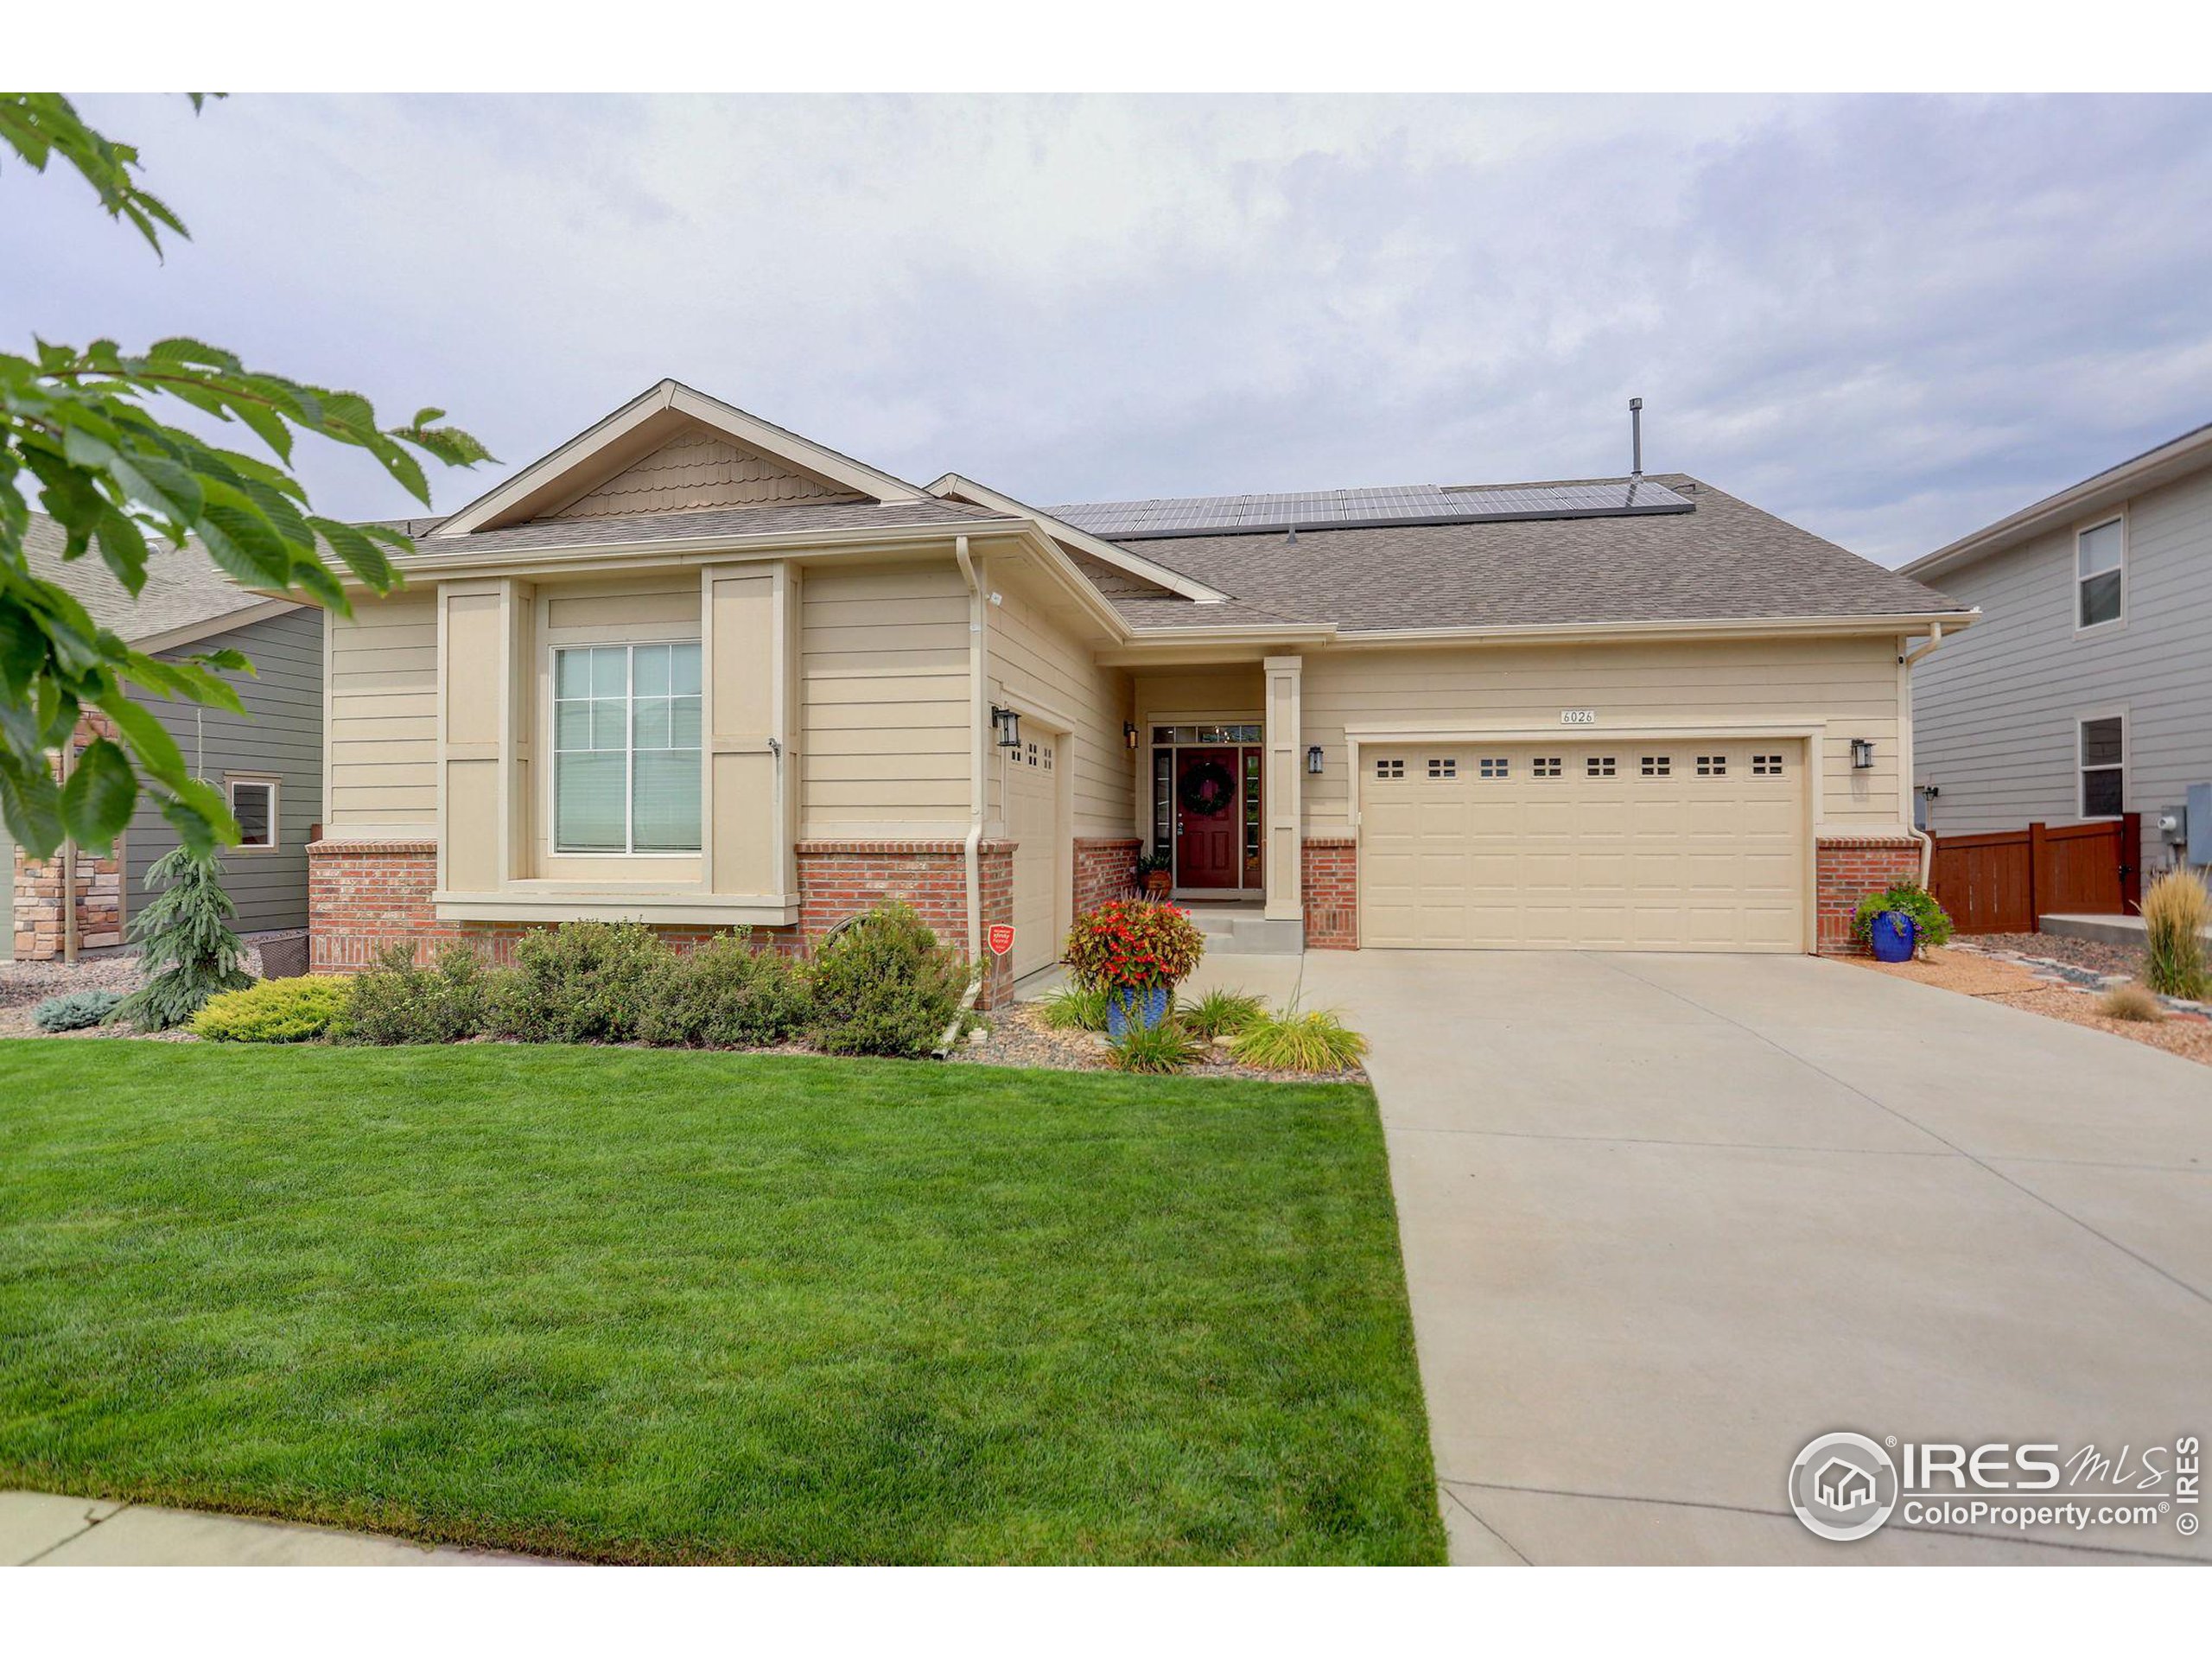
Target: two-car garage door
1658	845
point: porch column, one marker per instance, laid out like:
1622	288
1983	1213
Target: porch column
1285	768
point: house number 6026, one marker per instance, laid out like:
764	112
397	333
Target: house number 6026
1578	716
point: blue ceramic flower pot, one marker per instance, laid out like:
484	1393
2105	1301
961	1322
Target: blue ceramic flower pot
1894	934
1143	1009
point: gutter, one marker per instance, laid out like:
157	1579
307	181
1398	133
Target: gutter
978	719
1927	841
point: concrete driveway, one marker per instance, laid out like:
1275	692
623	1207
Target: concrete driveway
1668	1217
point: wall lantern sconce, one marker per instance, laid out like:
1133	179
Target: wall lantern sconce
1862	755
1129	735
1313	760
1007	724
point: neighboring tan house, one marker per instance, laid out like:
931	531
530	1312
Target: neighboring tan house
2087	691
269	764
695	669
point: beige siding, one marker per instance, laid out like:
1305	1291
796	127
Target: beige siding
1039	660
384	715
699	469
1850	687
884	742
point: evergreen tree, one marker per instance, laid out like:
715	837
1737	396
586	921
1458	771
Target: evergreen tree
189	952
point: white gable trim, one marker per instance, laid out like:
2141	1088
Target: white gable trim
954	487
542	477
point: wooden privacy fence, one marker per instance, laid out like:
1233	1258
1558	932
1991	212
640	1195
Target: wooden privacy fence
2002	883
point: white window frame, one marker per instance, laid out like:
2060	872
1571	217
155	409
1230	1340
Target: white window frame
2103	520
629	847
275	785
2081	768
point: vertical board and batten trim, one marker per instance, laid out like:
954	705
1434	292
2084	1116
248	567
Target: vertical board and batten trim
745	611
1284	738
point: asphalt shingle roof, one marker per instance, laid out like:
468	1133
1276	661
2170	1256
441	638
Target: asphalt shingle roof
1725	561
184	588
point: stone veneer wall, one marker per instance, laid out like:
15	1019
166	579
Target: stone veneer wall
39	906
364	896
1105	869
1329	870
1845	871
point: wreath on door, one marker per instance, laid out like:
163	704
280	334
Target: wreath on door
1207	789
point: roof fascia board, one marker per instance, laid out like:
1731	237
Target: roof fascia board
966	489
1713	628
1064	569
2158	467
153	645
670	396
701	549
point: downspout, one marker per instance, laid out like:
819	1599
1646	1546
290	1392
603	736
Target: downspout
1927	841
978	755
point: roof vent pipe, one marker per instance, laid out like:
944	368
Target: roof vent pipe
1636	436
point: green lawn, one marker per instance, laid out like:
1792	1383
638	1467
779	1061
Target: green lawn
647	1305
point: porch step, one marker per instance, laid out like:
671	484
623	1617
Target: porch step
1242	931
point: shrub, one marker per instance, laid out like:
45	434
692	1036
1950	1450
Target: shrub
2130	1002
1074	1008
1167	1046
579	982
1134	944
1220	1013
273	1011
396	1001
725	994
190	953
1931	923
2176	911
885	986
1290	1041
76	1011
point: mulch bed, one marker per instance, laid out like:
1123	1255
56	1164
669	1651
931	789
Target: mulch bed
1019	1036
2054	989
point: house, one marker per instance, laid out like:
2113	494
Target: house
269	764
696	670
1843	1485
2082	697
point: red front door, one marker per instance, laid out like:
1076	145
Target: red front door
1206	852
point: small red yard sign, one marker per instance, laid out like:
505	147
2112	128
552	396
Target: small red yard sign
1000	937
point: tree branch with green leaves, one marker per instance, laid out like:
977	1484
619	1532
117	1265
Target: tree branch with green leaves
78	437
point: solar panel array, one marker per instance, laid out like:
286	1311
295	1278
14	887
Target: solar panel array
1406	504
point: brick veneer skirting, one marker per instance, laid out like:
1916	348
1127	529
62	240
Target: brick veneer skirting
1105	869
364	896
1329	869
40	913
1845	872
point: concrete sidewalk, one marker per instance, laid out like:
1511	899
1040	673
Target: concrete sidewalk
42	1529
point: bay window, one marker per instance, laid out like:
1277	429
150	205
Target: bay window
625	748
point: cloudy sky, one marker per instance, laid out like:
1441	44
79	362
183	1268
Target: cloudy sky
1889	319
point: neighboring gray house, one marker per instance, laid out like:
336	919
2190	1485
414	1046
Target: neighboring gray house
269	764
2085	692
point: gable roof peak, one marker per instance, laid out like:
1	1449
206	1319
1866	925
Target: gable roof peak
648	423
